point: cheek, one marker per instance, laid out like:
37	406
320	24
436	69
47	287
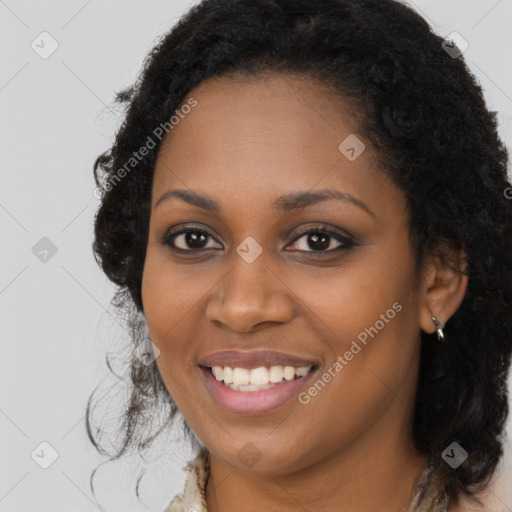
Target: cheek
169	302
367	315
169	293
343	301
173	297
371	368
165	303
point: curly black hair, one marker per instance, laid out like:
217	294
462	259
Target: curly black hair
425	115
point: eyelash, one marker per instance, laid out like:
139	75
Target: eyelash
347	243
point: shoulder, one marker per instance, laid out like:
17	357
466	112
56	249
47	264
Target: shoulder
193	495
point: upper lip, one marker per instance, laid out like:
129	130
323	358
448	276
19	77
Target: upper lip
254	359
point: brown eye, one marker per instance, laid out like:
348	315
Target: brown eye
189	240
321	240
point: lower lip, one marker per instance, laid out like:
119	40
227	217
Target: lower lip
254	402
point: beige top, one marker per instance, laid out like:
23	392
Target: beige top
192	499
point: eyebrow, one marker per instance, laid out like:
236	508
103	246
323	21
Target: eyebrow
285	203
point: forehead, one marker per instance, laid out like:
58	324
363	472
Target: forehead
279	109
268	134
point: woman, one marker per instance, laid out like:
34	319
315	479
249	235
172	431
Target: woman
306	209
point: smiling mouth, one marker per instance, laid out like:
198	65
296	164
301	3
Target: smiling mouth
257	379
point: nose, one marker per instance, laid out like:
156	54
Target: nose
250	295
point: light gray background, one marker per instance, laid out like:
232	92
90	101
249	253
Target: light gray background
55	120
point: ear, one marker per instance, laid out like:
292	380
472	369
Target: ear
443	286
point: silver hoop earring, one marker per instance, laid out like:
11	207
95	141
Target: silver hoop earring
440	334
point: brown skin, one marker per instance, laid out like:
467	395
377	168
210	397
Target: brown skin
244	144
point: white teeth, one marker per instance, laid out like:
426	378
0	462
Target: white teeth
289	372
228	375
276	373
302	371
241	376
218	372
259	376
255	379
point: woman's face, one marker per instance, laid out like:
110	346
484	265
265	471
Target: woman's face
246	276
